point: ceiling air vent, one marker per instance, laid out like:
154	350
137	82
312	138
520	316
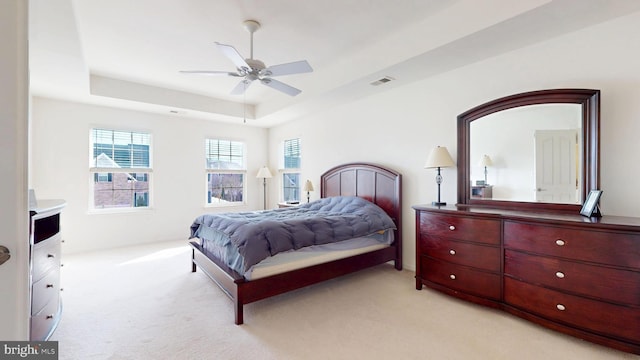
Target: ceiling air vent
383	80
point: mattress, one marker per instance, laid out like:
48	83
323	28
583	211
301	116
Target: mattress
304	257
257	235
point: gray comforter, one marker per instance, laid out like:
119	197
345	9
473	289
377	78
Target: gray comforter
258	235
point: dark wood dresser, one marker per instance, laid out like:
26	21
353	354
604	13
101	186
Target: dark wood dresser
573	274
45	241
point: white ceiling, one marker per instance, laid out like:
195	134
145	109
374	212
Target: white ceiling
127	53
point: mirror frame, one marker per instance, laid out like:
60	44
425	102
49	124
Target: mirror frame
590	152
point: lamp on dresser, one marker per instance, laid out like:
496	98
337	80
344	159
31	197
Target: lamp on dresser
265	174
308	186
439	158
485	161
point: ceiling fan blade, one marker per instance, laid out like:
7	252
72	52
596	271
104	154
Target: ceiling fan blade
296	67
241	87
210	72
280	86
233	54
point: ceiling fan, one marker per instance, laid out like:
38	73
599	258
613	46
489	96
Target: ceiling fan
253	69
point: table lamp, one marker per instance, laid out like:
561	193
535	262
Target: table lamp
485	161
439	158
308	186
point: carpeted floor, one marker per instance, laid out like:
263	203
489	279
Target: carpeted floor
143	302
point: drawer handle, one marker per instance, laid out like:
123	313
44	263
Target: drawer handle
50	316
49	285
451	227
560	242
560	275
452	276
50	256
452	252
561	307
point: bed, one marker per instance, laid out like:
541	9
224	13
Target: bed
376	184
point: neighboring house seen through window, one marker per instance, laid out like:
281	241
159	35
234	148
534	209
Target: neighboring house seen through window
291	170
120	164
226	170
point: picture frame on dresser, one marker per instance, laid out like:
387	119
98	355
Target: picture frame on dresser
590	207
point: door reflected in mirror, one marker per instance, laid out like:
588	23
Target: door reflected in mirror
528	153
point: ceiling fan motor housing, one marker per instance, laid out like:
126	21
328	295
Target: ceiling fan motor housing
256	65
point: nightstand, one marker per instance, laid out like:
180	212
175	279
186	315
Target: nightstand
481	191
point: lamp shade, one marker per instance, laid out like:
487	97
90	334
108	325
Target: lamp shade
308	186
485	161
264	173
439	157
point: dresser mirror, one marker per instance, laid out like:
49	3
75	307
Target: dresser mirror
535	150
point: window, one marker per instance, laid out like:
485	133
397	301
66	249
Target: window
120	164
225	168
291	170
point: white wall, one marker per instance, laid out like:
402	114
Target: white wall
398	128
14	211
60	165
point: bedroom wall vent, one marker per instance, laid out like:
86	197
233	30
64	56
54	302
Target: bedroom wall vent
383	80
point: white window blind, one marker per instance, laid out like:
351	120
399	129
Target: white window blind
224	154
120	149
292	154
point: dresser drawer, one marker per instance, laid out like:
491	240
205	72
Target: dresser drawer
43	323
46	256
479	256
461	228
605	283
461	278
621	249
44	290
600	317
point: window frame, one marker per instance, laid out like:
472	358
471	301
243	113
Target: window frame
97	173
285	170
215	171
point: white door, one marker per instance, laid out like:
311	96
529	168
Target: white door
556	166
14	216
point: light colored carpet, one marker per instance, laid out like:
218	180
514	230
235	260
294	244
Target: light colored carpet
143	302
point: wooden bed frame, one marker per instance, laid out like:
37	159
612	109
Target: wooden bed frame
371	182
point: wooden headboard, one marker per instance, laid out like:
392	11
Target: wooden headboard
380	185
